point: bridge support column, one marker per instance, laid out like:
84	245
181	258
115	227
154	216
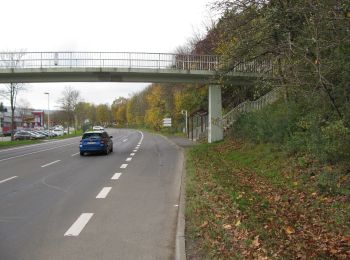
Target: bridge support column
215	130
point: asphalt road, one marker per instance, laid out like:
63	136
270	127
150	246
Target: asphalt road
55	204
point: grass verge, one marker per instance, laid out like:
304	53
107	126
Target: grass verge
9	144
256	202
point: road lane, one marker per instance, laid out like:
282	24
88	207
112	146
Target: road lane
37	189
38	208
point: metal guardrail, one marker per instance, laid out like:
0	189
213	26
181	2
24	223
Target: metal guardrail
137	60
248	106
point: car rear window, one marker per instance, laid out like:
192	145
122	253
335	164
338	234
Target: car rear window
92	135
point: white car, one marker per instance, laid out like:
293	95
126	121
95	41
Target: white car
58	132
97	128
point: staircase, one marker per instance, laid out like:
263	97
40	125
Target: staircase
248	106
199	131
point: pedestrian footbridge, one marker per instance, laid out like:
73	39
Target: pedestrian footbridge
27	67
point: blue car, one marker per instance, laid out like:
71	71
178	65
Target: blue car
96	142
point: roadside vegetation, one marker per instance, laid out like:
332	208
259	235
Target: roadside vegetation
257	202
9	144
278	187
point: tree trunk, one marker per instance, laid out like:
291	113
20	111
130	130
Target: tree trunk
12	121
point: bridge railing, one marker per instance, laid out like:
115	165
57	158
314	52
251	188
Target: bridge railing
133	60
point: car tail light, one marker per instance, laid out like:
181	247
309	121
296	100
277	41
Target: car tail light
103	142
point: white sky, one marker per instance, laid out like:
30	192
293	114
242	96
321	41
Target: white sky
99	25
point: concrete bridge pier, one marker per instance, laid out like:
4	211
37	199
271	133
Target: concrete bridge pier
215	130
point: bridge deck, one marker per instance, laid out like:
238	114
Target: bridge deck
116	75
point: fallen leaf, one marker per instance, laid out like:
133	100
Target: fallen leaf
277	198
256	242
227	226
290	230
205	223
238	223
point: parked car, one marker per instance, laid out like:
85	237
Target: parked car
97	128
58	131
26	135
37	134
96	142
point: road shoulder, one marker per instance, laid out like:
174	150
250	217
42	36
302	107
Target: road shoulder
180	245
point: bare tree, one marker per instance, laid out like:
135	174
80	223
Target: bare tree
68	103
12	60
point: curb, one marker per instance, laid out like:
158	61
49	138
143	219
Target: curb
180	247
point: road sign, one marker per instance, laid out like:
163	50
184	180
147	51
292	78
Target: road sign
167	122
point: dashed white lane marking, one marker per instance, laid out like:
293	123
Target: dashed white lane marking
42	166
123	166
132	154
8	179
75	154
125	140
116	176
128	159
134	151
79	224
103	193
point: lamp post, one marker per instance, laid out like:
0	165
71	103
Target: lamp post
184	112
48	111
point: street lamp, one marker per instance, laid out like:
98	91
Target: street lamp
48	110
184	112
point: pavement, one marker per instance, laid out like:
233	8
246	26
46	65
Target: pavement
56	204
180	248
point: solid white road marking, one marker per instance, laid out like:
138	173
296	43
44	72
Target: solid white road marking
32	145
75	154
42	166
79	224
132	154
8	179
22	155
128	159
141	136
123	166
103	193
116	176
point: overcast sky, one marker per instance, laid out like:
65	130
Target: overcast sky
91	25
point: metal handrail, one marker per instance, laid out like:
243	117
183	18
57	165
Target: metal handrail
133	60
229	118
